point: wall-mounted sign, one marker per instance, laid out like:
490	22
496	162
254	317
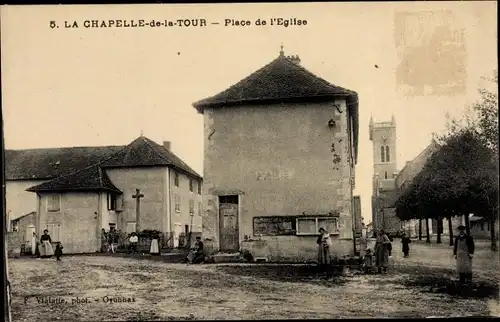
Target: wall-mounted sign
274	225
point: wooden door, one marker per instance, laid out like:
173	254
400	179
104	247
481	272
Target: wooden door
229	239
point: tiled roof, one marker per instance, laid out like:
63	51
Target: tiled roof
50	163
92	178
282	80
143	152
46	164
278	80
23	216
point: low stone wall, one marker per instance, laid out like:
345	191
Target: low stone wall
294	249
14	240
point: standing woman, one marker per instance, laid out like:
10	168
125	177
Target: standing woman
104	241
463	251
381	252
155	249
405	240
324	242
33	244
46	250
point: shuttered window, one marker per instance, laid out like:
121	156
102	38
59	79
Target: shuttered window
53	202
54	232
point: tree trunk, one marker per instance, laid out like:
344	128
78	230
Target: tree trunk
428	237
450	227
493	235
467	224
420	229
439	229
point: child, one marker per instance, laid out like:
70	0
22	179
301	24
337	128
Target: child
58	251
368	261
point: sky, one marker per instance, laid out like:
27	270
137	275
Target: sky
104	86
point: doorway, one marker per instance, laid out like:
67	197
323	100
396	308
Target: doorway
228	223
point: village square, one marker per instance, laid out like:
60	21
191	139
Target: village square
302	204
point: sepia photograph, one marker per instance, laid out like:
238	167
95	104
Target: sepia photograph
250	161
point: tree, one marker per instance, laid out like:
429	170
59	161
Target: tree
458	179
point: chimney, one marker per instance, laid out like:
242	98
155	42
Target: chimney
294	59
166	145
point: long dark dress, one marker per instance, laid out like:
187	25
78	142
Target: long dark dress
406	245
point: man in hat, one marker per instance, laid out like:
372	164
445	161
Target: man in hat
463	251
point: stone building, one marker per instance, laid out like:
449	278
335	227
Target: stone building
383	136
279	156
75	207
29	167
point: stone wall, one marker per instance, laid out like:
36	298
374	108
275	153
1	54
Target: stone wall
14	240
294	248
281	160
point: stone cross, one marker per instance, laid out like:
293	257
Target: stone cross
138	195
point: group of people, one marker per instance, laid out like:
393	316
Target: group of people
44	249
112	238
463	252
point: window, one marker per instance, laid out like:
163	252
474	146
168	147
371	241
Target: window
191	207
387	154
382	154
311	225
54	232
131	226
177	203
199	187
191	185
54	202
111	202
176	179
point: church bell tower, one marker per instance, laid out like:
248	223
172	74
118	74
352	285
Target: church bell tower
383	137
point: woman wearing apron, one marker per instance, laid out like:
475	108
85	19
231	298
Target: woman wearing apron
46	250
155	249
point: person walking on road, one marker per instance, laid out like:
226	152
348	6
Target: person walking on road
463	252
381	252
405	240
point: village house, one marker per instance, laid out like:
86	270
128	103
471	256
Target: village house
279	155
30	167
75	207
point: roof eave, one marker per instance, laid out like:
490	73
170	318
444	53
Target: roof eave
111	166
197	176
96	189
201	105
